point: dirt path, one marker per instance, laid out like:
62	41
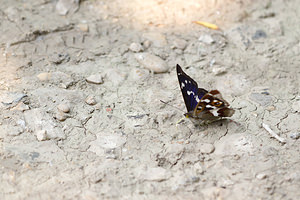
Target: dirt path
80	91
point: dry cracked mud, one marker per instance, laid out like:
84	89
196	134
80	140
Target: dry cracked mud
80	90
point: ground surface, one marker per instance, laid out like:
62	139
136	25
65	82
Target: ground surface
81	116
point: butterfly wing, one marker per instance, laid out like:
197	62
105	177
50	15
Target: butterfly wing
212	105
189	88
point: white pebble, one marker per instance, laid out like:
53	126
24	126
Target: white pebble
218	70
179	44
41	135
64	107
91	100
95	78
156	38
61	116
261	176
44	76
152	62
21	107
136	47
207	148
295	136
207	39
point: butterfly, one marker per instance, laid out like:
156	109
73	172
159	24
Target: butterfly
201	104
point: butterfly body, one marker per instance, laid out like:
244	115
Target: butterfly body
200	103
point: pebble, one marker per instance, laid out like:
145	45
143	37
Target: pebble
261	176
259	34
139	74
179	44
108	145
157	39
152	62
115	76
11	98
83	27
146	44
262	99
21	107
91	100
38	119
64	107
11	130
58	58
44	76
198	168
41	135
207	39
136	47
156	174
95	78
63	7
217	70
295	136
207	148
61	116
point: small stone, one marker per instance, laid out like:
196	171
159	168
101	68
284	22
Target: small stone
64	107
91	100
44	76
109	146
11	98
271	108
156	174
21	107
136	47
95	78
261	176
139	74
218	70
146	44
116	77
295	136
198	168
207	39
63	7
41	135
58	58
83	27
152	62
61	116
262	99
259	34
11	130
179	44
157	39
207	148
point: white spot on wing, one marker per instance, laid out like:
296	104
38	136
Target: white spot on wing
205	100
190	92
215	101
197	99
185	81
182	85
210	106
215	113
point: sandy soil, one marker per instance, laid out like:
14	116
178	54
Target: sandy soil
80	91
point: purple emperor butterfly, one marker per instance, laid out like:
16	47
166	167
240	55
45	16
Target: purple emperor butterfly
201	104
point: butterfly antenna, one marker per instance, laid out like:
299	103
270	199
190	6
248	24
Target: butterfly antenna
171	105
179	121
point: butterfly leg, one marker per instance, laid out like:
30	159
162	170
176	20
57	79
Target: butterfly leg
179	121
